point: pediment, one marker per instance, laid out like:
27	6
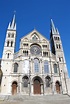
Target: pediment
34	36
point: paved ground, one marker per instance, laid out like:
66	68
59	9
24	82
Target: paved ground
48	99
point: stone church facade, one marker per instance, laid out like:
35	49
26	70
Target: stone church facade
38	68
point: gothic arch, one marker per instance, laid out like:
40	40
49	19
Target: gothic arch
8	43
25	81
25	39
9	34
36	65
11	43
36	36
15	67
36	58
55	68
37	85
35	44
38	77
14	87
48	81
8	53
12	35
57	85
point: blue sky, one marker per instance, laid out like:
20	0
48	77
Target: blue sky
32	14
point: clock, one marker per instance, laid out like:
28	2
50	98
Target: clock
35	50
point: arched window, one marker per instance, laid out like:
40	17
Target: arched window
34	38
7	43
15	67
48	81
11	43
25	81
25	53
12	35
8	34
46	67
7	55
59	46
58	38
55	68
36	65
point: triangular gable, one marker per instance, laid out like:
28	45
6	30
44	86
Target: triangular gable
36	35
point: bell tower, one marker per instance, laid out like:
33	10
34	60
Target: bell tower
9	45
8	56
57	49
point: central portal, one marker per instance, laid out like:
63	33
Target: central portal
37	87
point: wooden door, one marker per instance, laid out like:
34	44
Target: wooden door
14	88
57	88
37	87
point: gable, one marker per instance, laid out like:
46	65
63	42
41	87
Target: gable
34	36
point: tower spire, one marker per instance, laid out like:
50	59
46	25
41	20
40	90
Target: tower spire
12	25
9	26
57	31
53	29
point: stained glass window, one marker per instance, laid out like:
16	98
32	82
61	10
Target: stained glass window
36	65
55	68
15	67
46	67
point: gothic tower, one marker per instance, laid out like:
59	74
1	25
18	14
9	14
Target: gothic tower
8	52
9	45
57	50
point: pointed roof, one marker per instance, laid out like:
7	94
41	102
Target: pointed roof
57	31
38	33
53	29
12	25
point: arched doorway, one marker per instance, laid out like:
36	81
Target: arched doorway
37	85
14	88
57	87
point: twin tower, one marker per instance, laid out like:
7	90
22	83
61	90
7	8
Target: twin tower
38	67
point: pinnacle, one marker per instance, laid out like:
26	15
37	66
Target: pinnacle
53	29
12	25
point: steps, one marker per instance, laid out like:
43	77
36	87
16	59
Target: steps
46	99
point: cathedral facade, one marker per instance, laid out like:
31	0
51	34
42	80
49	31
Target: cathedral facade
39	66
